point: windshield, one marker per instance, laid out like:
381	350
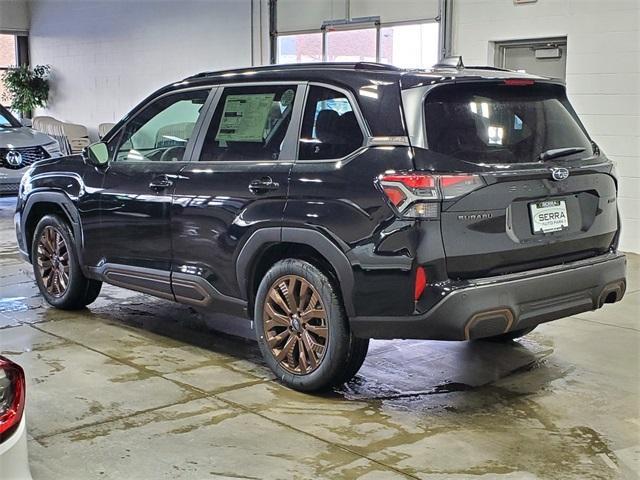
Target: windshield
6	119
497	124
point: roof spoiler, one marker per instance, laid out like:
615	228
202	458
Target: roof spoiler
450	62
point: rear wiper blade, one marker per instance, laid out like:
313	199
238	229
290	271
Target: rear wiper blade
559	152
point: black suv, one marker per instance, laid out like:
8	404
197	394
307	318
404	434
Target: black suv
334	203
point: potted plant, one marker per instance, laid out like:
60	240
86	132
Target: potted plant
29	88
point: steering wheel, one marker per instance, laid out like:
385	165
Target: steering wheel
172	154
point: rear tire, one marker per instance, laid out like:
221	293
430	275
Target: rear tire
509	336
56	268
302	330
359	351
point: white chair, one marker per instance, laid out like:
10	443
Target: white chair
77	136
55	129
175	135
38	123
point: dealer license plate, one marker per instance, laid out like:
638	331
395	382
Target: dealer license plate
549	216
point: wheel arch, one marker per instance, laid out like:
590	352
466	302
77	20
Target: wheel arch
40	204
267	246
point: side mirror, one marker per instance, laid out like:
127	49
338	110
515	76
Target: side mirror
96	154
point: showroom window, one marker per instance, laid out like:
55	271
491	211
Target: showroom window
8	58
301	48
330	128
351	45
250	123
410	46
162	130
406	45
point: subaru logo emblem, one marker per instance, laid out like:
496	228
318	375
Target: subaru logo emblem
14	158
559	174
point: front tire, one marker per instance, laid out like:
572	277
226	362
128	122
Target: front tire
56	267
302	330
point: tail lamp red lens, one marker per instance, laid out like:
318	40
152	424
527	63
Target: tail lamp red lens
417	195
421	283
12	397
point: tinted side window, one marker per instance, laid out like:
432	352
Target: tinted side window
161	131
250	123
329	126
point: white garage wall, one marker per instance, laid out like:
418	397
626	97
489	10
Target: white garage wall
603	71
107	55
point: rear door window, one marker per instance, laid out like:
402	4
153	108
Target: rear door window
249	123
330	128
502	124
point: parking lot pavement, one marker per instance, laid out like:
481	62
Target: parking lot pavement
136	387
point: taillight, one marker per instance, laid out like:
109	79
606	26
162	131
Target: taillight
418	195
453	186
12	397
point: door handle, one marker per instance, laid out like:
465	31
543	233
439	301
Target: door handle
263	185
160	183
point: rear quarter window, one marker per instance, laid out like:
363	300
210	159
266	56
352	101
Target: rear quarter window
330	128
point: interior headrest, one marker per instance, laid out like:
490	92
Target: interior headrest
348	127
326	125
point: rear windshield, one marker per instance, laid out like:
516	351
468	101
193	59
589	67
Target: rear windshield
496	124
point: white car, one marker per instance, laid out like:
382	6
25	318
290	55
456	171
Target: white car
14	461
19	147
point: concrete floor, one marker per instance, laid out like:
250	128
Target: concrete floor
136	387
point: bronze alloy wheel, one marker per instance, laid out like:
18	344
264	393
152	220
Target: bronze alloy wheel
53	261
295	324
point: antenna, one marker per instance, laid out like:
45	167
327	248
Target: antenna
450	62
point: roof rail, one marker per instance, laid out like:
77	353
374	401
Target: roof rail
450	62
297	66
375	66
486	67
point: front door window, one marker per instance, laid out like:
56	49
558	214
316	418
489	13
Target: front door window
162	130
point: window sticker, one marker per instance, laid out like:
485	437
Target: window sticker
244	117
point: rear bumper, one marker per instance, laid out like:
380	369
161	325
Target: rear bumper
491	306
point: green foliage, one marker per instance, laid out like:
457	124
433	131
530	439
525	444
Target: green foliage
29	88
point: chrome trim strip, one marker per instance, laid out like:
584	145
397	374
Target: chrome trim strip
398	141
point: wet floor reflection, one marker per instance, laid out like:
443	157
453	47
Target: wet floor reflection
393	369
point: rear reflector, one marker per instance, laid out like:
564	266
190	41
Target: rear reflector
12	397
421	283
